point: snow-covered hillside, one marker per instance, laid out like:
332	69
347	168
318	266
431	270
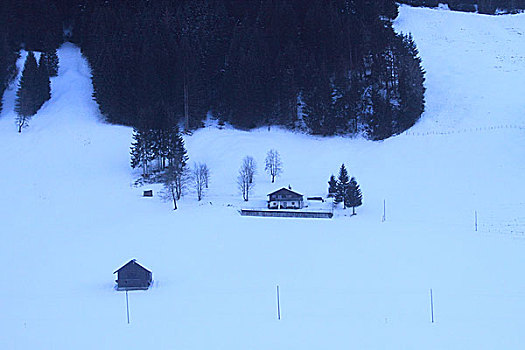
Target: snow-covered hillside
71	216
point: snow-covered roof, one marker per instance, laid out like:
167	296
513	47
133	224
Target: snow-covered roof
286	190
134	262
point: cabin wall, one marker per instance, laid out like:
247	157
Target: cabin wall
133	277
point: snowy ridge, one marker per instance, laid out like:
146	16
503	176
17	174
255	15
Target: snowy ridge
71	216
483	50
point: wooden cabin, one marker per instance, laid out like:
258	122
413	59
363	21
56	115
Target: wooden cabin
285	198
133	276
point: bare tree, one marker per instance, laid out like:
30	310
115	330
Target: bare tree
274	166
249	164
206	171
245	177
245	186
200	176
181	180
169	179
174	180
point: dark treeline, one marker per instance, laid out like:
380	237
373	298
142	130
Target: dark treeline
34	88
482	6
327	66
9	52
35	26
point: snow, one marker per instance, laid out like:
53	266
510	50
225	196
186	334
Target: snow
71	216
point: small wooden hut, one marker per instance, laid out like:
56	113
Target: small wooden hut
133	276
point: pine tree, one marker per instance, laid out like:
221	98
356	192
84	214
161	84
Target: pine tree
8	57
34	24
175	175
332	186
342	186
141	150
379	120
51	62
44	83
196	21
411	84
319	108
159	147
177	159
353	197
27	95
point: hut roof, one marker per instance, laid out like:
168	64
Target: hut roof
131	262
285	190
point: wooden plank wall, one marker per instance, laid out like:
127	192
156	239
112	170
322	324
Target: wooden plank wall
287	214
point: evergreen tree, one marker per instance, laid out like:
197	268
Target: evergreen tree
177	159
353	197
251	64
28	98
141	150
319	112
197	21
388	8
411	85
379	120
8	57
247	78
50	60
34	23
159	147
175	176
332	186
44	83
342	186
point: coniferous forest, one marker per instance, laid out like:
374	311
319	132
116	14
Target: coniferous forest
323	66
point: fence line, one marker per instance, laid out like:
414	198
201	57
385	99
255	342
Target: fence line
287	214
464	130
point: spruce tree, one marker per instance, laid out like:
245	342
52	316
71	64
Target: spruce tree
160	147
141	150
8	57
319	112
50	60
342	186
332	186
44	83
353	197
411	84
175	175
27	95
177	159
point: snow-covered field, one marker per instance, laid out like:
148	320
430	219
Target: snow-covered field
71	216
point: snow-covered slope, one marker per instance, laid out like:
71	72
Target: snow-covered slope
70	216
474	66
